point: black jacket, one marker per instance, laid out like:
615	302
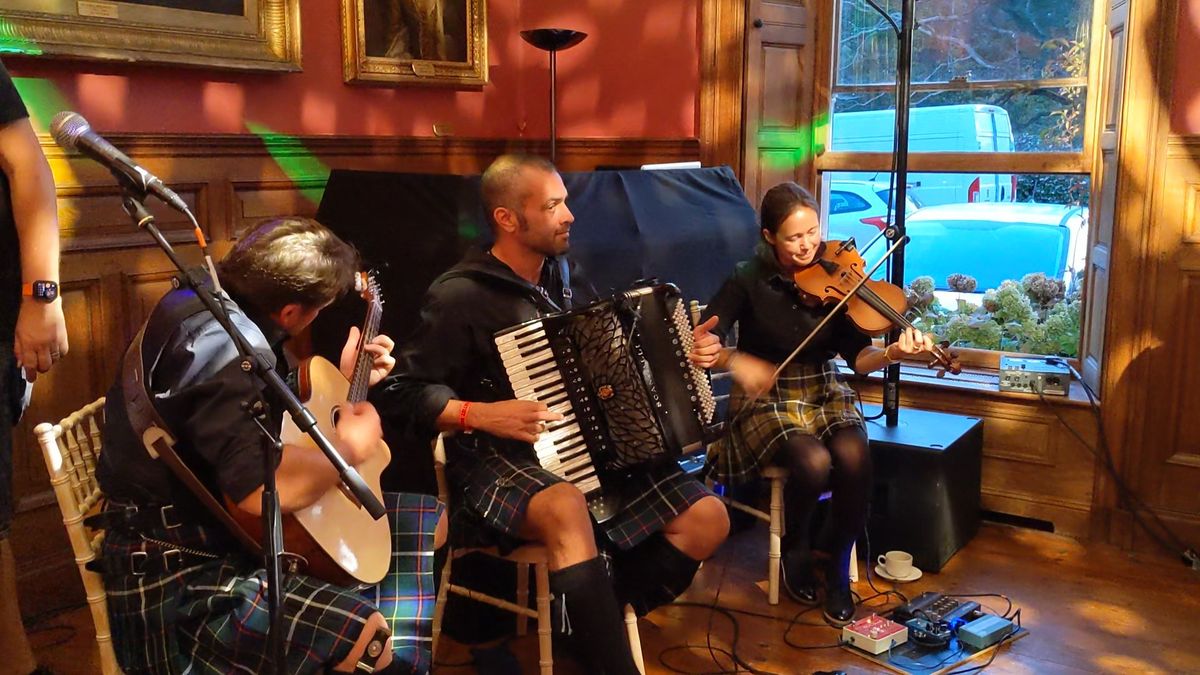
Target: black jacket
452	354
773	318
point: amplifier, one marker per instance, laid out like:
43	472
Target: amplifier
1034	375
927	479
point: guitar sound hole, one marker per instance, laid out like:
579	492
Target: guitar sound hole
336	415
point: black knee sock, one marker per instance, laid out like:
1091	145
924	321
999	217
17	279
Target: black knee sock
593	619
653	574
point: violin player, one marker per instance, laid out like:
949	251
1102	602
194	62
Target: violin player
804	420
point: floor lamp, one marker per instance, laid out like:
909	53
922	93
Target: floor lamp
553	40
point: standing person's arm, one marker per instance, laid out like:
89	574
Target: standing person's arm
41	334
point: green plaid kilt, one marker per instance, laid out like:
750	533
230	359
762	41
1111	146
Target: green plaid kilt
211	617
807	399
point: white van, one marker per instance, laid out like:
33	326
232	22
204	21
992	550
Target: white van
945	128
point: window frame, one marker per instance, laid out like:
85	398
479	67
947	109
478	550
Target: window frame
1060	162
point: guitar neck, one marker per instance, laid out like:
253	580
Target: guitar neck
362	364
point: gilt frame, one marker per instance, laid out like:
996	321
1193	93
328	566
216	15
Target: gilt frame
264	36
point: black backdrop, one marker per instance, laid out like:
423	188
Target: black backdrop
685	226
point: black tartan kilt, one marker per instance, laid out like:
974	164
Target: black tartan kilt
491	488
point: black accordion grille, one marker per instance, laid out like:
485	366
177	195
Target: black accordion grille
618	388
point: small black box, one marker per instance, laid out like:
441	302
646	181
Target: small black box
927	475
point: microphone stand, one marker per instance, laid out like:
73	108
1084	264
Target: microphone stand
256	365
897	232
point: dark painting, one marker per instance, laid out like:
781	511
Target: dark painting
417	30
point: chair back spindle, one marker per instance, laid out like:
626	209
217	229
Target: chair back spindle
71	449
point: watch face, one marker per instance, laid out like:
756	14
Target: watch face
45	290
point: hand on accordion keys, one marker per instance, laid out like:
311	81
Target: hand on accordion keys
706	345
515	419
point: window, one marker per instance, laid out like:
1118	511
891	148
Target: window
998	183
988	76
846	202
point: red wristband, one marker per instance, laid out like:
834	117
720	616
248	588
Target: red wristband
462	415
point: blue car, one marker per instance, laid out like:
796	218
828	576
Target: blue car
993	242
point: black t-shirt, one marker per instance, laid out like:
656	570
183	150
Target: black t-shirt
773	319
11	110
198	389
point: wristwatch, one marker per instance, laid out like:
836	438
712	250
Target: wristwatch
41	290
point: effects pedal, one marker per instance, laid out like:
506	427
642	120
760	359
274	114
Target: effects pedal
928	634
1034	375
985	631
938	609
874	634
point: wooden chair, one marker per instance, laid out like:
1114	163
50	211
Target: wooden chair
523	557
777	478
71	449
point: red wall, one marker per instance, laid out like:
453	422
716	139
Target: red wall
636	75
1185	106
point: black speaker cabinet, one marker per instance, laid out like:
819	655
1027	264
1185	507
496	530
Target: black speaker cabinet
926	494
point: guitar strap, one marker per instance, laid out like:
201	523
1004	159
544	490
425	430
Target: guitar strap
147	424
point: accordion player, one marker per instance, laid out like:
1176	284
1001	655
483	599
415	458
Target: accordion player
618	372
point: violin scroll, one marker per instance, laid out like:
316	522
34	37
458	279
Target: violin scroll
945	359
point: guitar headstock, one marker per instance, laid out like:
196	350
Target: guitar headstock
367	287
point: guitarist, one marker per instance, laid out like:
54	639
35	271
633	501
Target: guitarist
183	595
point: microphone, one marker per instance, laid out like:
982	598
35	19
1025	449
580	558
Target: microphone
73	132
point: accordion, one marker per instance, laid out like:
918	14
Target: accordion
618	372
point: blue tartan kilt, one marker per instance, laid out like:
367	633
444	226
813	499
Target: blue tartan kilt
212	617
491	489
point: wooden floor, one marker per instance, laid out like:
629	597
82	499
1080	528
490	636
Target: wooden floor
1089	608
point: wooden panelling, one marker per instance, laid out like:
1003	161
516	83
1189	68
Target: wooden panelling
113	274
722	47
1166	472
777	137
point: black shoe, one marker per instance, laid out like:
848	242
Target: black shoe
801	583
839	603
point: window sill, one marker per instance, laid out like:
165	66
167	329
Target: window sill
982	381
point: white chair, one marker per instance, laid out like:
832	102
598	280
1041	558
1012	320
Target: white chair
71	449
523	557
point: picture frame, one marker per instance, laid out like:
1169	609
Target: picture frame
256	35
415	42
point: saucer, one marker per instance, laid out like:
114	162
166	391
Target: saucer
912	576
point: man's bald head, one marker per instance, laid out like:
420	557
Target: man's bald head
503	183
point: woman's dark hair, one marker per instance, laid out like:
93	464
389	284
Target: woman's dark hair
289	260
781	201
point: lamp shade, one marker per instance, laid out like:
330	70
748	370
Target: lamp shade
553	39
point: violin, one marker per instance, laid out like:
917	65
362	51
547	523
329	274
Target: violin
876	308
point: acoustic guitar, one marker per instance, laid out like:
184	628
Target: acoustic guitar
340	542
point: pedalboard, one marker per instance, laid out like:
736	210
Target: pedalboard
875	634
1033	375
